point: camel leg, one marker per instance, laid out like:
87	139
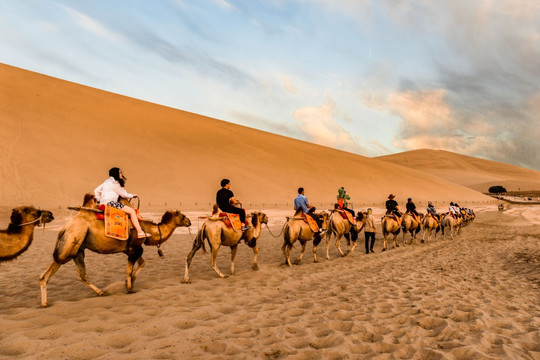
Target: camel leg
81	270
299	259
234	250
132	259
140	263
253	245
215	249
286	252
395	241
44	279
338	239
196	246
385	242
328	236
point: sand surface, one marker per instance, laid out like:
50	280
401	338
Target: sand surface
477	297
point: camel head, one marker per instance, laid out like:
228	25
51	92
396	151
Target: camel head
258	217
177	217
23	215
323	216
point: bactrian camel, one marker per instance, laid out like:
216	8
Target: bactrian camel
454	225
218	234
412	225
390	226
85	231
429	224
338	226
297	229
17	238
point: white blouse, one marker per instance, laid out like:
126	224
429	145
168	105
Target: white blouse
109	191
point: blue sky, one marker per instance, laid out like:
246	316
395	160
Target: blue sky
372	77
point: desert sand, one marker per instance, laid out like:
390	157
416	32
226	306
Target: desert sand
473	298
476	297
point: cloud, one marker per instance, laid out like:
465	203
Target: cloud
92	25
318	124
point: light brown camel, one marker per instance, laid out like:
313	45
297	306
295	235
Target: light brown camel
218	234
84	231
390	226
339	227
297	229
18	237
409	224
454	225
429	224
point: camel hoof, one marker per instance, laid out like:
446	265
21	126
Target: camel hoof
186	281
383	250
297	262
255	267
315	261
397	245
421	241
224	276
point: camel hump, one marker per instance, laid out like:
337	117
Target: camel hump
215	209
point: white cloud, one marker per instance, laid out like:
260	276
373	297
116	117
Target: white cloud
91	25
320	127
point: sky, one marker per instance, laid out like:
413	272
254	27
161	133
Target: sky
372	77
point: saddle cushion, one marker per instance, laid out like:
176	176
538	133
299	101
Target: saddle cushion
232	221
116	223
311	222
101	216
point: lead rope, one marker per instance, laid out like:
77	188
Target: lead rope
279	232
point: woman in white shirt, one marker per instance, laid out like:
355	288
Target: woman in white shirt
108	193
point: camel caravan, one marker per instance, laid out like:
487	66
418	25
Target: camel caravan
108	223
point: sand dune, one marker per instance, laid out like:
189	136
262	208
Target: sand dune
61	138
475	173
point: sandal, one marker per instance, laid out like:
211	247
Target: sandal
143	235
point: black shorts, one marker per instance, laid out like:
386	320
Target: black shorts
116	204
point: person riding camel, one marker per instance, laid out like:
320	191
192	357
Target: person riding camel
342	198
301	203
411	209
392	208
433	212
110	191
453	210
226	202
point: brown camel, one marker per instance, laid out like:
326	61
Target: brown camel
429	224
18	237
218	234
84	231
339	227
390	226
297	229
454	225
412	225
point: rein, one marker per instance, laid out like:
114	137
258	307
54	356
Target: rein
160	253
32	222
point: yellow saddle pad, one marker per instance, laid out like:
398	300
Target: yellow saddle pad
116	223
312	224
349	217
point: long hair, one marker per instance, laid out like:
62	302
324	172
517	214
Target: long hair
115	173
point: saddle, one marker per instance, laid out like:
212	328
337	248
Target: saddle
347	216
311	222
117	223
232	221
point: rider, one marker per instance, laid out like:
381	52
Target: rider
301	203
111	190
432	211
453	211
411	208
226	201
392	207
342	198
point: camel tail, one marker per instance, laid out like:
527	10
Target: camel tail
286	235
199	239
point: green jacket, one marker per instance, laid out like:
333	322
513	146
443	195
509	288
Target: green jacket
342	195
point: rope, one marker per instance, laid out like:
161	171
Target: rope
279	232
31	222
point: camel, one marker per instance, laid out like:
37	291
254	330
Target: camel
453	223
429	224
339	227
84	231
17	238
410	224
297	229
217	233
390	226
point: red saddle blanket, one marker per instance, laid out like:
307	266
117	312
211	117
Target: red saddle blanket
232	221
347	216
312	223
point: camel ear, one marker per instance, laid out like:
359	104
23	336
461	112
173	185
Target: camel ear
16	217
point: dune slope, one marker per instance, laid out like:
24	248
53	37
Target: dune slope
60	139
